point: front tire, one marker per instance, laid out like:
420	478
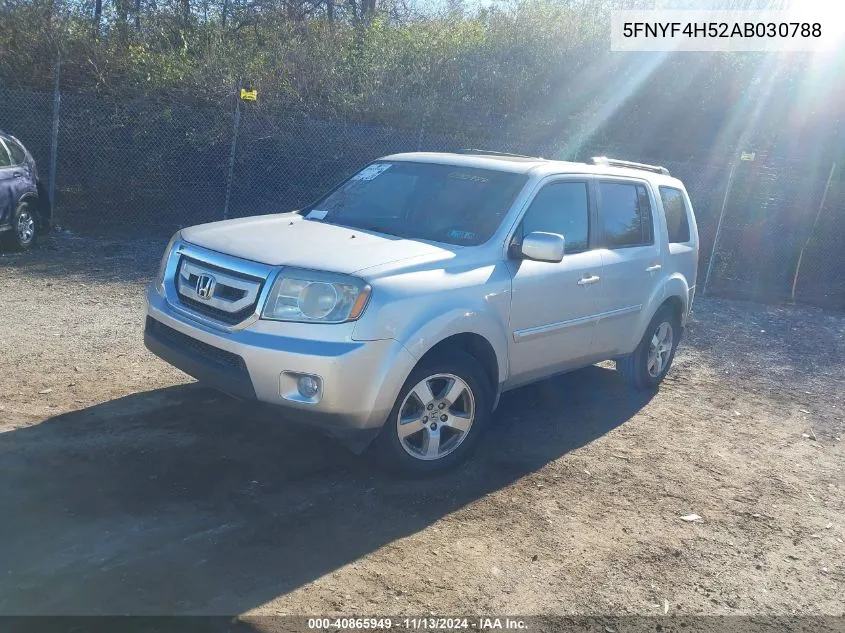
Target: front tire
24	226
438	417
646	366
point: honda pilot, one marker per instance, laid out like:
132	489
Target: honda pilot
394	311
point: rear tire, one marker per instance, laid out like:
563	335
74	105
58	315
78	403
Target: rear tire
24	226
438	417
646	366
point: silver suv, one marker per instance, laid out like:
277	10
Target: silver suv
393	312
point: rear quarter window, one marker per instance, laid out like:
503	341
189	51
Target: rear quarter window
17	151
677	214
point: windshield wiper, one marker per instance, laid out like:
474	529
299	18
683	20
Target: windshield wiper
364	226
375	228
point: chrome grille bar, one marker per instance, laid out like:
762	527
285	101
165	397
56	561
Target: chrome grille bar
240	280
190	271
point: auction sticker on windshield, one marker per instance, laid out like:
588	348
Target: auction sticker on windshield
317	214
371	171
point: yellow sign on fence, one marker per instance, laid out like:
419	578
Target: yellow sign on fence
249	95
748	156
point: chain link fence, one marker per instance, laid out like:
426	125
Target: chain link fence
148	167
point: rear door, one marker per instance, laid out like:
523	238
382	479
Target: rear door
553	305
631	261
7	186
22	172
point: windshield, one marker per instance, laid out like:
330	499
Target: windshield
441	203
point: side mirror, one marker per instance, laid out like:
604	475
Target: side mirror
542	247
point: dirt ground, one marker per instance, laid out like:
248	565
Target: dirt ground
127	489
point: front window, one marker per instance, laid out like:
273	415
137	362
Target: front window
442	203
562	208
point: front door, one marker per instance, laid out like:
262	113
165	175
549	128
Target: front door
553	304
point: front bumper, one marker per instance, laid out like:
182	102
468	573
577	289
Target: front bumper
360	379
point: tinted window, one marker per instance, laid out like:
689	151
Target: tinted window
4	157
563	208
443	203
17	152
677	220
625	214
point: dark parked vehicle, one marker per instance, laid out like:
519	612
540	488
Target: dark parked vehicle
23	209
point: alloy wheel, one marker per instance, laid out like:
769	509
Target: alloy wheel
436	416
25	227
660	349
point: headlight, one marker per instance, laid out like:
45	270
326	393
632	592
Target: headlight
315	297
162	265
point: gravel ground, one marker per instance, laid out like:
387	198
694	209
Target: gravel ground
127	488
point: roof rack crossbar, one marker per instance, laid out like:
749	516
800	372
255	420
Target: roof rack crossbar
492	153
615	162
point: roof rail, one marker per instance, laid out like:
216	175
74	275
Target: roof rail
614	162
486	152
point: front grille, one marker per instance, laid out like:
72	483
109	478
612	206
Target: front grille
231	318
224	295
181	341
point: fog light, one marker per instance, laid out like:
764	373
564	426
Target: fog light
309	386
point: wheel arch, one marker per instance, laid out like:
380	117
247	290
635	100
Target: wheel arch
30	196
676	292
42	219
673	292
388	445
677	304
474	345
477	332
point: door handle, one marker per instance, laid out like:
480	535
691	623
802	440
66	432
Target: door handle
651	269
588	279
17	174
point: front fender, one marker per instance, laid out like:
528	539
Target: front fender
460	321
423	308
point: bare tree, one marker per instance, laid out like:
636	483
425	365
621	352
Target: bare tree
362	11
98	14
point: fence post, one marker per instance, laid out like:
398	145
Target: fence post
812	229
422	131
54	141
719	226
236	120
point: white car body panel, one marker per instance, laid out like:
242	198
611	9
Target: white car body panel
538	318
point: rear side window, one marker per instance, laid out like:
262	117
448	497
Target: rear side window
17	152
625	213
562	208
677	214
4	156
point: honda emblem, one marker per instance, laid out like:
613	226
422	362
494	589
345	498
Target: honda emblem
205	286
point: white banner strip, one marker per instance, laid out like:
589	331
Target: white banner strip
809	28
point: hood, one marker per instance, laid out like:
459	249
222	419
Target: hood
288	239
